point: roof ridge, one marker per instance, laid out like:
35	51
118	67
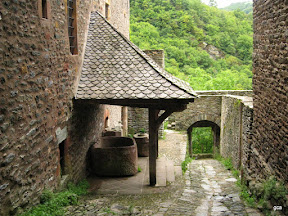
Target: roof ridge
152	63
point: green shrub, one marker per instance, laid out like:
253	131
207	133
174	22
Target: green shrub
51	204
46	196
185	163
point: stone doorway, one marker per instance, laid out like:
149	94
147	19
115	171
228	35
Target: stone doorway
206	125
62	157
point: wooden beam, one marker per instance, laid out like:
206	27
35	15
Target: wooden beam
153	130
162	118
160	104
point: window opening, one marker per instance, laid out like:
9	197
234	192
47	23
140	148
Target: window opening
107	11
62	156
72	26
44	9
106	123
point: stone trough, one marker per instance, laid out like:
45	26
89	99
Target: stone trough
116	156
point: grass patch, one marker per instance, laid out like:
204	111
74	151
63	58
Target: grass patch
53	204
184	164
139	169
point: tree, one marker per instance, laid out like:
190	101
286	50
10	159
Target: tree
181	27
212	3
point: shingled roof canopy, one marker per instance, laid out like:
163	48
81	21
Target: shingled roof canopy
117	72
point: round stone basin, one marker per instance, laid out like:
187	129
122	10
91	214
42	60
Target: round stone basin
116	156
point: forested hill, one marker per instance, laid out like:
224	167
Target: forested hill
246	7
209	48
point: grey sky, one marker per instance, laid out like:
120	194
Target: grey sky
224	3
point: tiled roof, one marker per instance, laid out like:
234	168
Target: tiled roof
114	68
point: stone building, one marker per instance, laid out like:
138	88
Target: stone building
61	60
44	134
270	86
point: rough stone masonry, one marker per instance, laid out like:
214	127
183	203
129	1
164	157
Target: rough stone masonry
38	76
270	86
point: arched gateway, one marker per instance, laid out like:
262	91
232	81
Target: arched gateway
204	123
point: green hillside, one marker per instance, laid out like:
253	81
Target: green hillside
209	48
246	7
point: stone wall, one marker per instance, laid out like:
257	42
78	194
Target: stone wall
270	86
86	130
137	120
230	129
204	108
236	123
38	76
232	113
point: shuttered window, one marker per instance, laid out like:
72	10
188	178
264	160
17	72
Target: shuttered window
72	26
44	9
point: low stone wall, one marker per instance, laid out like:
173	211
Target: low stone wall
248	93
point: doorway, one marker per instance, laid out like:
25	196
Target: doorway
203	138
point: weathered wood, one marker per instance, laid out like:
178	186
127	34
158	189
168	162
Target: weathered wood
153	131
161	104
162	118
157	143
189	133
124	111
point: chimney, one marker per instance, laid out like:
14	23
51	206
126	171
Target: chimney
158	56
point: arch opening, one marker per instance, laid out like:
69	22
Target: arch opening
203	138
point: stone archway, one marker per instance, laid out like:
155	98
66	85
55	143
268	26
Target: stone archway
204	123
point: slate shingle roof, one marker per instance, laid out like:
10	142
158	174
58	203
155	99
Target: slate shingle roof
114	68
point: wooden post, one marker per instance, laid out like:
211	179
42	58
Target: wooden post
125	120
154	123
157	143
153	115
189	133
214	139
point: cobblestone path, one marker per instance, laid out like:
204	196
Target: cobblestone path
209	190
206	189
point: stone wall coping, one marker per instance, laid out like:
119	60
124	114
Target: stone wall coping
225	92
246	100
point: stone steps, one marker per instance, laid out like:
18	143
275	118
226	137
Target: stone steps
161	176
166	171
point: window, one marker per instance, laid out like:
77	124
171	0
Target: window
72	26
107	12
44	9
